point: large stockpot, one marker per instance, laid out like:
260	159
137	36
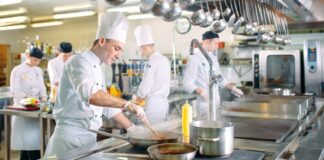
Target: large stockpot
213	138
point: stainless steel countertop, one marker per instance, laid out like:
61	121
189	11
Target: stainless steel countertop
32	114
176	97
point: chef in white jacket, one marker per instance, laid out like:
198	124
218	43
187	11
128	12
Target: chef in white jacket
196	75
55	67
155	84
27	80
82	97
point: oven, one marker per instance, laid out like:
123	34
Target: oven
277	69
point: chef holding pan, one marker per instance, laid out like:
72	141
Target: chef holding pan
155	84
82	98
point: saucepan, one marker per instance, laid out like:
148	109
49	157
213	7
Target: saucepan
172	151
144	138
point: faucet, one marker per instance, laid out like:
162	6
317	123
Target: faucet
214	80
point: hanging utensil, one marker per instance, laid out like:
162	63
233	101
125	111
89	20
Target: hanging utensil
161	7
174	13
209	18
115	2
146	5
220	24
215	13
240	20
198	17
231	20
227	11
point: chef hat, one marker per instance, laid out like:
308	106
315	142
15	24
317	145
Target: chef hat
209	35
113	25
143	35
65	47
37	53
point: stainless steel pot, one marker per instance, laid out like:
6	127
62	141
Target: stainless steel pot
213	138
172	151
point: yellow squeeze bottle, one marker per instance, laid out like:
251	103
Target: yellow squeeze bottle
186	119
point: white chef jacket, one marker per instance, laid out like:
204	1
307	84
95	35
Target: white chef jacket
155	87
196	76
81	77
26	81
54	68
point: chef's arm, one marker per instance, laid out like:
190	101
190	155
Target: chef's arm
102	98
122	120
230	86
15	87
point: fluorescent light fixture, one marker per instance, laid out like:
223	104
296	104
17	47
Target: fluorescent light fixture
65	8
140	16
73	14
46	24
42	18
13	12
13	20
125	9
9	2
22	26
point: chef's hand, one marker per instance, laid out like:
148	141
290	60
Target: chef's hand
237	92
138	100
202	93
43	99
137	110
135	129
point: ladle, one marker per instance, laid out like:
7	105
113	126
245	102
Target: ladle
231	20
220	24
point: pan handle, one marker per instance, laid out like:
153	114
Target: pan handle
208	139
108	134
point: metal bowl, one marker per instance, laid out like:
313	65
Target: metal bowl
172	151
115	2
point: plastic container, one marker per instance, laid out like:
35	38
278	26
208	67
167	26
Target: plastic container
186	119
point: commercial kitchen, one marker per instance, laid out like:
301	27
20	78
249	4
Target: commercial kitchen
159	79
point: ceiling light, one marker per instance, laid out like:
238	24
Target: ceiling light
22	26
140	16
46	24
126	9
42	18
73	14
13	20
72	7
9	2
13	12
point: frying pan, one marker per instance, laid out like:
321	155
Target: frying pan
144	139
172	151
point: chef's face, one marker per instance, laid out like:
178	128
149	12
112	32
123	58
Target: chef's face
145	51
211	44
112	50
65	56
32	61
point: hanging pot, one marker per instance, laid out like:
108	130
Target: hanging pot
198	17
174	13
161	8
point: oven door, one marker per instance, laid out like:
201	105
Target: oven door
279	69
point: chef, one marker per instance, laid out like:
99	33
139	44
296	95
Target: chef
26	81
55	66
196	75
82	98
155	84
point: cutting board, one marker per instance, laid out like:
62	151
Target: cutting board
21	108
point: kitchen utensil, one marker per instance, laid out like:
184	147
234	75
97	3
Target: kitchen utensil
240	20
161	7
198	17
115	2
209	18
231	20
172	151
215	12
174	13
143	139
114	88
220	24
227	11
146	5
213	138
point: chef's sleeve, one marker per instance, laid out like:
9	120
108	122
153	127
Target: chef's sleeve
52	72
42	85
109	112
147	80
82	79
190	75
15	87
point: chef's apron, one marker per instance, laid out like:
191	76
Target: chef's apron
156	109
